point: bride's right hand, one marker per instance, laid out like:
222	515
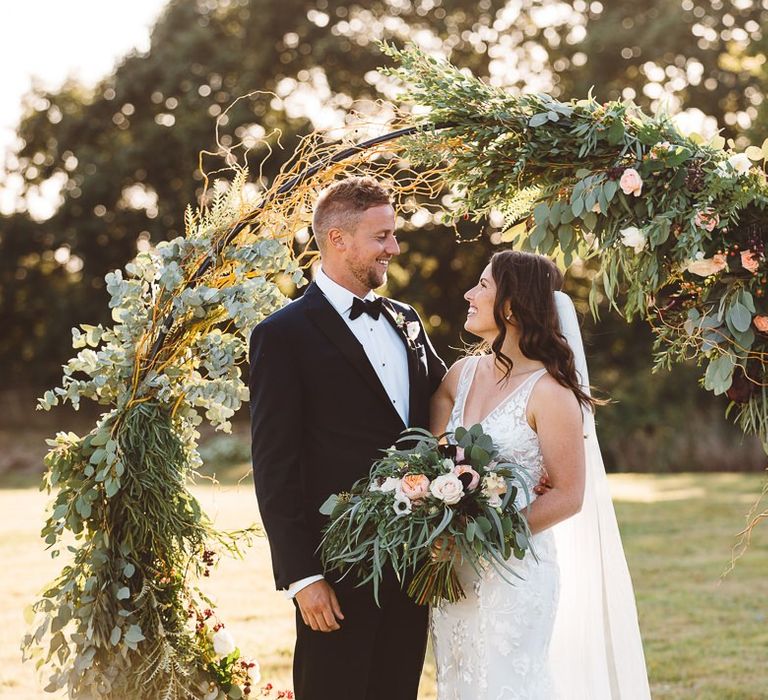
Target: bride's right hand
444	549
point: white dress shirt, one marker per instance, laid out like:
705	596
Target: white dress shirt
385	351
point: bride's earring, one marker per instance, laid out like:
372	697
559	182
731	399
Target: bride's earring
508	317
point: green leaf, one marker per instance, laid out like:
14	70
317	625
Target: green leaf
123	593
111	487
329	505
541	214
114	638
484	524
740	317
134	635
538	119
615	132
589	220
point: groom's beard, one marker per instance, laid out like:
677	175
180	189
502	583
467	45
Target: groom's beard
371	278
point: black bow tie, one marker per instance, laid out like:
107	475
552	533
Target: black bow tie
361	306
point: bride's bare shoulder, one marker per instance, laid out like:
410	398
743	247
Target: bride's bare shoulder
549	392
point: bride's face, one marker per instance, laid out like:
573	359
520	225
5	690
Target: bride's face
481	297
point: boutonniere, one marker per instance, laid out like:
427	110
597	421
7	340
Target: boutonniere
410	329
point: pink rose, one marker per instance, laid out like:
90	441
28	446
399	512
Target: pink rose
466	469
704	267
749	261
707	219
415	486
631	182
761	323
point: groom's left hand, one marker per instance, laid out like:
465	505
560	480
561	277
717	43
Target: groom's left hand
543	486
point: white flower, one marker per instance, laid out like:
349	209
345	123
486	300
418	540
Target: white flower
223	642
391	483
740	162
494	500
447	488
633	237
374	485
412	329
631	182
254	672
704	267
402	504
494	487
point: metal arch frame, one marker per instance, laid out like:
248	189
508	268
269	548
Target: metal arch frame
287	187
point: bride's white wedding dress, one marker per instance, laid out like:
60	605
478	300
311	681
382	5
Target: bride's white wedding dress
568	630
494	644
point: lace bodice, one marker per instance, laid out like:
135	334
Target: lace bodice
507	425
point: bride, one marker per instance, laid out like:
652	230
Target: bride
567	627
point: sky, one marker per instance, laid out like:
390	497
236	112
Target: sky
51	40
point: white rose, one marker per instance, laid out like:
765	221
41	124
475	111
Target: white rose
402	504
740	162
633	237
494	500
447	488
391	483
223	642
412	330
494	487
704	267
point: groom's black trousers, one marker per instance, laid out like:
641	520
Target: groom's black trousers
376	655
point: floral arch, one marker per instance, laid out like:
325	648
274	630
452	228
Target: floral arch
676	222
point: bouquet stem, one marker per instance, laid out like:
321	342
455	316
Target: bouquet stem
435	582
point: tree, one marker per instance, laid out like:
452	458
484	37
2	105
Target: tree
127	151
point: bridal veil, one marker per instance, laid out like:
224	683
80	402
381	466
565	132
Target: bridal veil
596	650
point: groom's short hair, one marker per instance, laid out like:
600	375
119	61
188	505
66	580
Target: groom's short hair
341	204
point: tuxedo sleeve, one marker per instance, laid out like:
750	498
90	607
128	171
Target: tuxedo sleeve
276	431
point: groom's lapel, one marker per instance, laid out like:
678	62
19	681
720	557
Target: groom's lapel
328	320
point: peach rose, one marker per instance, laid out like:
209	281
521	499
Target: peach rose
704	267
466	469
761	323
631	182
707	219
415	486
749	261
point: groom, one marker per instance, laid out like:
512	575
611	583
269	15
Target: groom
335	377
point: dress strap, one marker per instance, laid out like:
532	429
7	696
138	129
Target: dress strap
465	381
526	388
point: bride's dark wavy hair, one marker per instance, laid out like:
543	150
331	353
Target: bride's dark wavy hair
528	283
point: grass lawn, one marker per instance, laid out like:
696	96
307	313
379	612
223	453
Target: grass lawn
705	638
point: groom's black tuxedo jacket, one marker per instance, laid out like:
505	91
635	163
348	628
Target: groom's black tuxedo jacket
320	417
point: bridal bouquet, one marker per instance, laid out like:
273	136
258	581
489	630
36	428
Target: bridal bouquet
425	508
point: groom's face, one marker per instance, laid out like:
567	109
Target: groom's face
371	246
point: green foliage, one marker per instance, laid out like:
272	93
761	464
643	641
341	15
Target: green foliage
119	617
658	209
